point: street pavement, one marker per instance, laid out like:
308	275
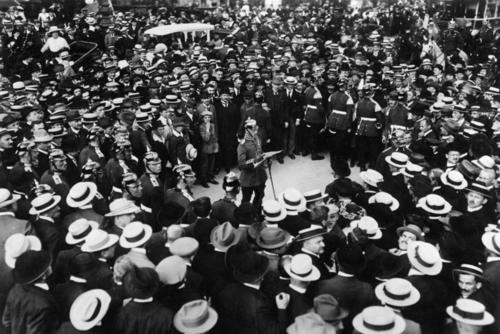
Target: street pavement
301	173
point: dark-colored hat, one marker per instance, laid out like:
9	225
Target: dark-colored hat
272	238
244	214
170	213
389	266
141	283
343	187
251	268
421	185
328	308
468	169
82	264
30	266
351	258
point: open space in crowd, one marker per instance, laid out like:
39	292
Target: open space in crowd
115	117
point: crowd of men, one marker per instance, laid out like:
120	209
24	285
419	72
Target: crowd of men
100	231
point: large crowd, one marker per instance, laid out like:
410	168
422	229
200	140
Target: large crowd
105	129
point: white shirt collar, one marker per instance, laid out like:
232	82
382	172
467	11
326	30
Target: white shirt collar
7	213
493	259
474	209
253	286
77	279
309	252
297	288
343	274
47	219
88	206
43	286
139	250
415	272
143	301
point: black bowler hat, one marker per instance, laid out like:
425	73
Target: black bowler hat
351	258
141	283
170	213
30	266
251	268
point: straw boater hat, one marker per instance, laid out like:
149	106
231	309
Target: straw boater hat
89	308
7	198
18	244
425	258
292	200
79	230
397	159
273	211
99	240
44	203
397	292
479	188
195	317
301	268
434	204
378	320
135	234
314	195
371	177
454	179
310	232
121	206
53	29
469	269
386	199
369	225
82	193
491	240
471	312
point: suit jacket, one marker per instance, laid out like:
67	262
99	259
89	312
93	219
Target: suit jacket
429	311
300	303
245	310
65	294
31	310
211	265
67	328
101	277
228	122
491	275
61	264
49	235
145	318
350	292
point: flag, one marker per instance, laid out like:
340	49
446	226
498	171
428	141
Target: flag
437	55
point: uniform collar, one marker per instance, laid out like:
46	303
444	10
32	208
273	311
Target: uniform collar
493	259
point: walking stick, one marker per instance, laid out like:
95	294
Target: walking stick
271	178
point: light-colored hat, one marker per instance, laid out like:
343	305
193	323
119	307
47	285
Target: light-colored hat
397	292
7	198
195	317
224	236
89	309
434	204
171	270
121	206
290	80
414	229
82	193
184	246
469	311
17	244
491	240
292	200
44	203
371	177
135	234
369	225
79	230
484	162
386	199
98	240
314	195
378	320
301	268
53	29
397	159
425	258
273	211
412	169
191	152
454	179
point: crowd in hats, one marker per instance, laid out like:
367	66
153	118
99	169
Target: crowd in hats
102	229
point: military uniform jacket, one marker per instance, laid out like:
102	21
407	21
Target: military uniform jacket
249	150
340	106
368	117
